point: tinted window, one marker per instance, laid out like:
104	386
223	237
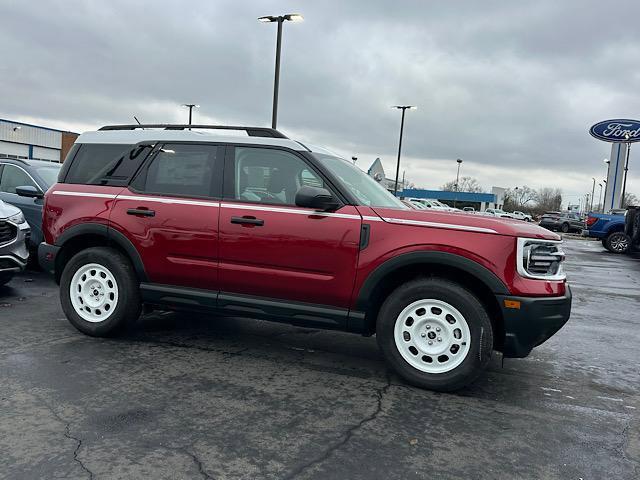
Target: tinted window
105	164
264	175
13	177
181	170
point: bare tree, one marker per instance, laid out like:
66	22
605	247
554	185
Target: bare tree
549	199
467	184
629	200
519	198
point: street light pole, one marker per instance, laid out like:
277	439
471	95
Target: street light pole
593	190
600	206
279	19
403	108
190	106
455	200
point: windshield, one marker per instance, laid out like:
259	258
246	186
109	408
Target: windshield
49	174
362	186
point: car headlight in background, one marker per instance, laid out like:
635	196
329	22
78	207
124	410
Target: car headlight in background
18	218
540	259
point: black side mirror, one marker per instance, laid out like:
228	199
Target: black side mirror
316	198
29	191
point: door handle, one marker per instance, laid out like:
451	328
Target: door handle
247	221
144	212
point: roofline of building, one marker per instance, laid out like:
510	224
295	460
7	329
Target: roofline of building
36	126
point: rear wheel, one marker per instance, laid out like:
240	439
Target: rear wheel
617	242
99	291
435	334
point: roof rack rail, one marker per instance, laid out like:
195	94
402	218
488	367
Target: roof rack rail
251	131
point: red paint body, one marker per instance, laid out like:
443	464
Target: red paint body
297	254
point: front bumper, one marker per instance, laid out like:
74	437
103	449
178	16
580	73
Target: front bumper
537	320
15	253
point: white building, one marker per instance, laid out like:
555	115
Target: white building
25	141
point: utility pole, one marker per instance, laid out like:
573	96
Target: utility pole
593	191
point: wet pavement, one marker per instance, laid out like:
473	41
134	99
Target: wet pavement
183	396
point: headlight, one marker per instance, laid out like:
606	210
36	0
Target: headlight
540	259
18	218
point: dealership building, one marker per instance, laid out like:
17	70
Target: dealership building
26	141
479	201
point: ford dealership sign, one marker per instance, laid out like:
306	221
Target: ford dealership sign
617	131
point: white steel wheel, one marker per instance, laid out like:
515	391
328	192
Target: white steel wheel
93	292
432	336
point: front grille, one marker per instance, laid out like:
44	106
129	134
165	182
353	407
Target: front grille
8	232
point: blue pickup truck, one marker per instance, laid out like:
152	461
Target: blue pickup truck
610	229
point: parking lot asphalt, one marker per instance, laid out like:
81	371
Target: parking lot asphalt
184	396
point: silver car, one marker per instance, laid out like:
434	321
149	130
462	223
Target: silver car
14	235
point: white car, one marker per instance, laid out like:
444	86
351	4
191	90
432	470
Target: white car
497	212
430	204
518	215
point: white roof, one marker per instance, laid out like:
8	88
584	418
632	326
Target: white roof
139	135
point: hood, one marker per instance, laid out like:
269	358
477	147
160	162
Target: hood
7	210
465	222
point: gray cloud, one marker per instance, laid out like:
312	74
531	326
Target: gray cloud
510	87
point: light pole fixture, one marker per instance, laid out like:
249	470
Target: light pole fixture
455	200
600	206
593	191
190	106
403	108
279	19
354	159
626	169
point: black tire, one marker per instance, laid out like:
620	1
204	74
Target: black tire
565	228
617	242
5	278
466	303
128	306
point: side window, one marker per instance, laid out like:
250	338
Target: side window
105	164
13	177
181	169
264	175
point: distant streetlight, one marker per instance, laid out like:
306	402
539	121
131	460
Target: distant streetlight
190	106
626	169
600	206
593	189
354	159
279	19
403	108
459	161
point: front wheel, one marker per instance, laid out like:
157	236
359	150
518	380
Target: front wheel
617	242
5	278
565	228
435	334
99	292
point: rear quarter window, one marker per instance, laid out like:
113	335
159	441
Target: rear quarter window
105	164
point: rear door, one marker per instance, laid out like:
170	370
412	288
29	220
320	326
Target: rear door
170	213
271	248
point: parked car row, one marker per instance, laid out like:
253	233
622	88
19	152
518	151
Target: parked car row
562	221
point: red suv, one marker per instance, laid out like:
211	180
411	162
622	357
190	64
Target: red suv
263	226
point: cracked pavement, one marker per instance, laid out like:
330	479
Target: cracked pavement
185	396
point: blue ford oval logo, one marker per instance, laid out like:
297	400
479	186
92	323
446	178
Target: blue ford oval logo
617	130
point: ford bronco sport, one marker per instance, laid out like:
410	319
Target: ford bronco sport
263	226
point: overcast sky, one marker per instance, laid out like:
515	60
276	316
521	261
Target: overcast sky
510	87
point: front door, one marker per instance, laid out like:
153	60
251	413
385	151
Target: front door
271	248
170	214
12	176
